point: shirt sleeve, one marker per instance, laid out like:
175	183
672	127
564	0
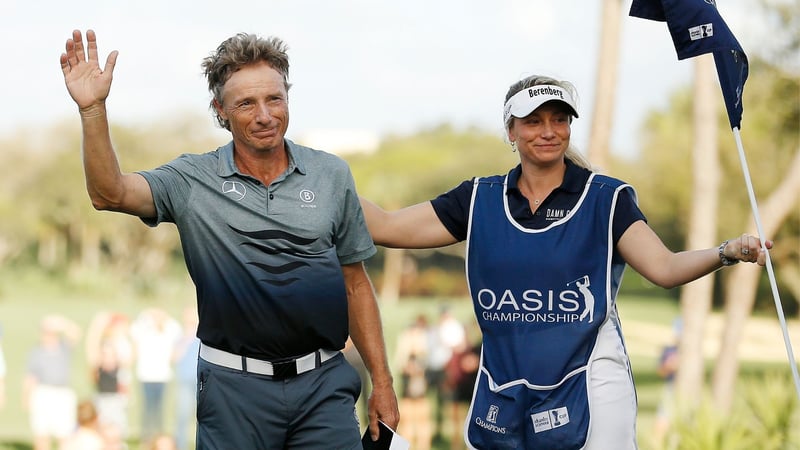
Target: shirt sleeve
626	213
171	189
353	241
452	208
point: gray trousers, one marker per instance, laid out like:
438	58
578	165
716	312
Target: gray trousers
246	411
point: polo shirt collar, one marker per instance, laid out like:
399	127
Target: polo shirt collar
574	178
227	166
295	158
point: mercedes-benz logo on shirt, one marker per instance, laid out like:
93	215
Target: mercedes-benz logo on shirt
234	190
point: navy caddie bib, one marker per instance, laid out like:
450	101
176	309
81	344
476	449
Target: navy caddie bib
540	297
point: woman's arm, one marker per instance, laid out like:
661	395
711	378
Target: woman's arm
643	250
415	226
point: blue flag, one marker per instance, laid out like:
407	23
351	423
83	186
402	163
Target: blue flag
697	28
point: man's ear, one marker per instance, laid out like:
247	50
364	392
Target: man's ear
219	109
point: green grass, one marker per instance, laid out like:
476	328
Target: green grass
25	298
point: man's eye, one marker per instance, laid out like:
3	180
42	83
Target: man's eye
243	106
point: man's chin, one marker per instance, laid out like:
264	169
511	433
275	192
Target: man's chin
264	144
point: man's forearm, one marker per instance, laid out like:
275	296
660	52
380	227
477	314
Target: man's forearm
366	331
103	175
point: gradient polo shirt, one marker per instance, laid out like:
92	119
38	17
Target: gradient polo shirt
266	260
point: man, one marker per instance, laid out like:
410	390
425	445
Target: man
274	239
47	391
154	334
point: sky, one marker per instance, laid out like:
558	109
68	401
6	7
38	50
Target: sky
360	69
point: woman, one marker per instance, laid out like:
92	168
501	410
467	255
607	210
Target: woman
546	247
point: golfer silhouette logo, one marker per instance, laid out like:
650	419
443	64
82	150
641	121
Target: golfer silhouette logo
583	284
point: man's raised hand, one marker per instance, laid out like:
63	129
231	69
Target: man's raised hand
87	83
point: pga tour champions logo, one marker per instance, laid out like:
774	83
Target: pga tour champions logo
490	422
491	416
575	303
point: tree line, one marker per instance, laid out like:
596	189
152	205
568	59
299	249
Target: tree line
49	223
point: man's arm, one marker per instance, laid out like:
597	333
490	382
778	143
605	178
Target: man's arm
366	332
29	383
68	329
89	86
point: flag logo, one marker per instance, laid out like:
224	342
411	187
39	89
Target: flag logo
701	32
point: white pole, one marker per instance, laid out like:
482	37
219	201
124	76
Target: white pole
775	295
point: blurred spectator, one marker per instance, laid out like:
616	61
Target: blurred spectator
667	370
112	328
444	336
87	436
460	375
109	353
162	442
415	409
112	401
154	334
186	351
47	391
112	437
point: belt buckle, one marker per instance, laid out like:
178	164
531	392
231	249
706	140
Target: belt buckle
283	370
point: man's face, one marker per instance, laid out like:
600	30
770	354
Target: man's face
256	104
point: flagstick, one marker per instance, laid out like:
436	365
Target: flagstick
773	284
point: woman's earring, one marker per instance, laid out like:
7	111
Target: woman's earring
513	146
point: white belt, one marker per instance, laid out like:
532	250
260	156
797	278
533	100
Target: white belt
284	369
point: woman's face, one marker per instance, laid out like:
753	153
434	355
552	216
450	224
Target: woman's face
542	137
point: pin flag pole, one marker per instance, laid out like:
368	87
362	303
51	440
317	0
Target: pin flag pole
770	272
708	33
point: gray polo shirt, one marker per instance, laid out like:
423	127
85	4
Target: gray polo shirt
266	260
51	366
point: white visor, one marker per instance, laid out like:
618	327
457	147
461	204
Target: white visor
527	100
